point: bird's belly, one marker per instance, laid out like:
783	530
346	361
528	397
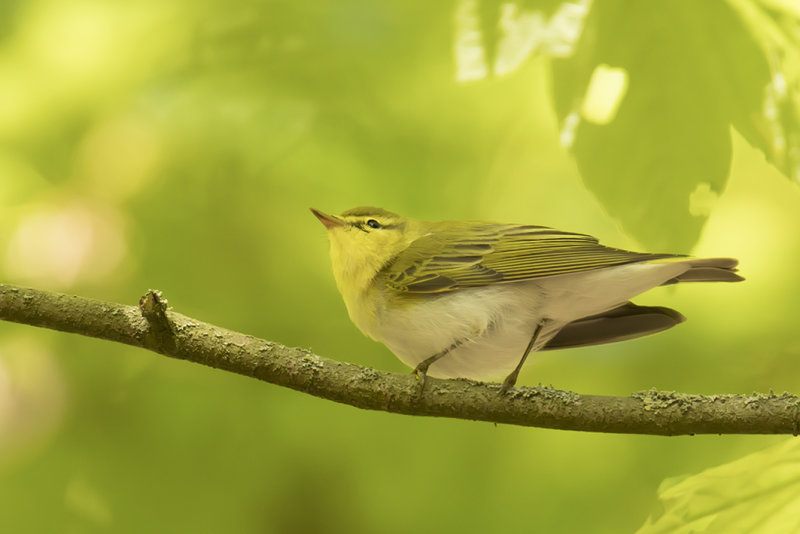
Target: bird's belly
486	330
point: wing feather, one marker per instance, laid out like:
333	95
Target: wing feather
457	255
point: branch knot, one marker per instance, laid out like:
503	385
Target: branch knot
153	306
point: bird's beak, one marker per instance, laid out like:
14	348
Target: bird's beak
328	220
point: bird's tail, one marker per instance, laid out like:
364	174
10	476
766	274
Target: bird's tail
628	321
709	270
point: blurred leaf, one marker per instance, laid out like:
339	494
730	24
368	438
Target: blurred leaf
652	136
693	70
504	34
759	493
776	130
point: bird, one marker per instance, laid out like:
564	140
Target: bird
473	299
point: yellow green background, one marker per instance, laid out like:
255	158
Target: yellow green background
178	145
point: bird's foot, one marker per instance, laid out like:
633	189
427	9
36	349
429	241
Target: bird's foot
509	382
421	371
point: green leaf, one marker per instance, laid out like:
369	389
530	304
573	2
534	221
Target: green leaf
775	24
657	161
757	494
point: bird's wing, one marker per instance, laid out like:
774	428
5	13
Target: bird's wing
478	254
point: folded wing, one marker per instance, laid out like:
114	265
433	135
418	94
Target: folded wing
458	255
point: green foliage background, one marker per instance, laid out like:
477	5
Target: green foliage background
178	145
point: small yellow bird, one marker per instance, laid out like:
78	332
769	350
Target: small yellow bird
473	299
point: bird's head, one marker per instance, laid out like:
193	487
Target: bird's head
364	240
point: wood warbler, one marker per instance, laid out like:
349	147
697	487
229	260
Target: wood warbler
473	299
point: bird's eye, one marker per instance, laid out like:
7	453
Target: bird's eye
372	223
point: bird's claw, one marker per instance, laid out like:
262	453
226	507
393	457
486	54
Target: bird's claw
509	382
421	372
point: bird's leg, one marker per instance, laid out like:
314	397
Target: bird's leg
511	379
421	370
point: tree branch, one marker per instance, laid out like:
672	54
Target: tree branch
154	328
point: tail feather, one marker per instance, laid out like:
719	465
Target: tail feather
709	270
628	321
